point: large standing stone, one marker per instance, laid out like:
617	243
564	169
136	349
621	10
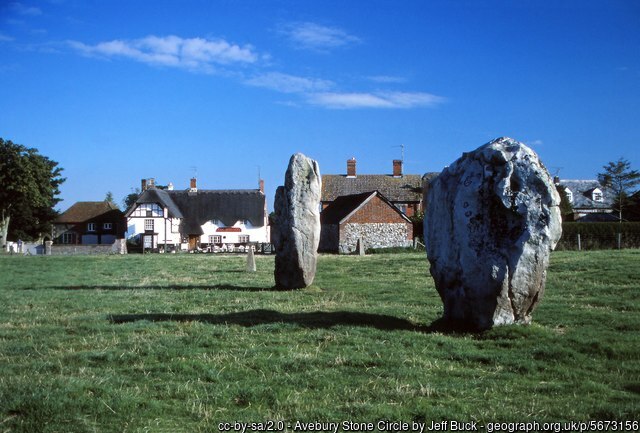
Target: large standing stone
492	219
297	218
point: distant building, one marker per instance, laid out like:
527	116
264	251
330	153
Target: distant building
194	218
591	202
369	216
89	223
404	191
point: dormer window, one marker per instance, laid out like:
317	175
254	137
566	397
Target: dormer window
596	195
569	195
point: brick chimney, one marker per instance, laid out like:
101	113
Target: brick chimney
261	185
193	186
397	168
146	184
351	167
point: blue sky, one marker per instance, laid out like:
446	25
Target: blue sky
116	91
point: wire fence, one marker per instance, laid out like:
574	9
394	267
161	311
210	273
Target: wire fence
598	241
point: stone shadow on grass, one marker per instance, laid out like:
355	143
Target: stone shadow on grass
315	319
160	287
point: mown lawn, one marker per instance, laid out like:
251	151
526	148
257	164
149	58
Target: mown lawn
179	343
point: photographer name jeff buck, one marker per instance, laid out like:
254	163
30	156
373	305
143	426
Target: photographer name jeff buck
348	426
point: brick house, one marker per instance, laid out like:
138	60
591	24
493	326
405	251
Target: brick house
369	216
89	223
404	191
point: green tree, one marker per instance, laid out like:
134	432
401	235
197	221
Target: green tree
621	179
565	205
109	197
28	188
131	198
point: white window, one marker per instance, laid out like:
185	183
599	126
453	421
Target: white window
148	225
68	238
91	227
569	195
215	239
175	225
148	241
243	239
596	195
107	226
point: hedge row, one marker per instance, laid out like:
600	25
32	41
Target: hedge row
598	236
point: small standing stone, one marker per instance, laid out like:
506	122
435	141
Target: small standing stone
360	247
492	220
297	219
251	260
47	248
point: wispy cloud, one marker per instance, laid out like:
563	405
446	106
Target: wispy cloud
312	36
387	79
286	83
5	38
196	54
337	100
219	56
22	9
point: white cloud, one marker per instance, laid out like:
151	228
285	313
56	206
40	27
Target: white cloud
536	143
313	36
286	83
387	79
374	100
196	54
5	38
22	9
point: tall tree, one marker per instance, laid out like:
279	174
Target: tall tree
131	198
566	209
28	188
109	198
619	177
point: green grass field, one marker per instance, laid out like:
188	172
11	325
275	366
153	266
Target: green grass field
180	343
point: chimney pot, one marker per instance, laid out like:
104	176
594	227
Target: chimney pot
193	185
397	168
351	167
143	185
261	185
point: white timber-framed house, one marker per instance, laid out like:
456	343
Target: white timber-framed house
167	220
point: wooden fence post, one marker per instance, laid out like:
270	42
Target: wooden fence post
579	242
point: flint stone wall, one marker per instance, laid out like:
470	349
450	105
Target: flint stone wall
118	247
374	235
